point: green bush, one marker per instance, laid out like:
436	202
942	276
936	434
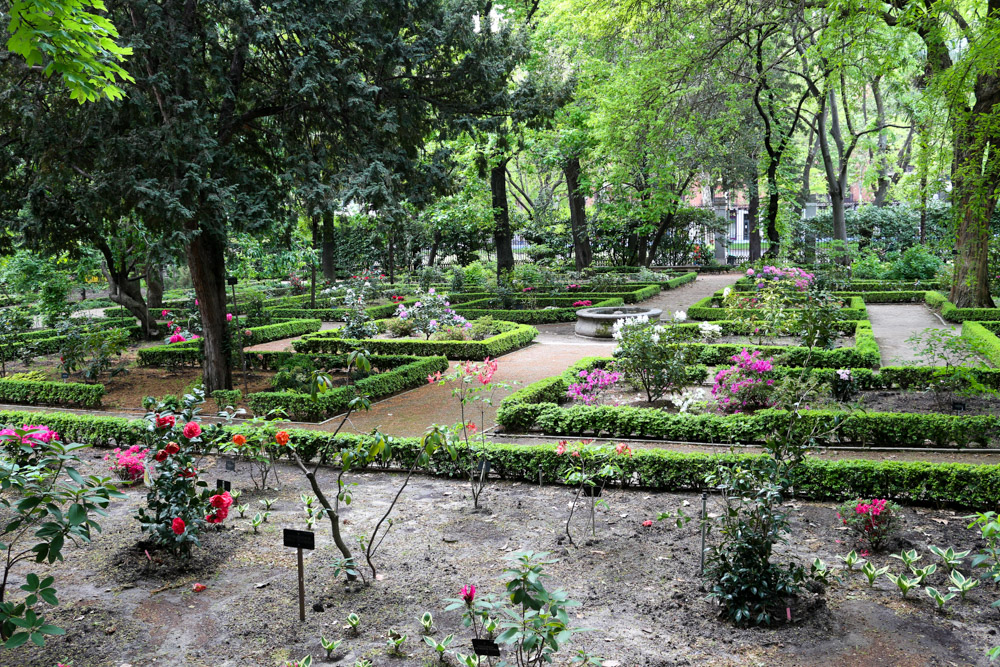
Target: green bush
708	308
511	337
916	263
300	406
959	485
563	310
953	313
190	352
61	394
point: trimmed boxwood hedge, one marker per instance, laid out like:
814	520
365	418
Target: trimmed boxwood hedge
953	484
190	352
746	283
512	336
61	394
48	341
982	332
334	314
564	310
708	309
953	313
300	407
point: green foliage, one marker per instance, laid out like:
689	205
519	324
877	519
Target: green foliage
69	40
511	337
45	504
301	406
190	352
14	323
653	356
91	350
61	394
538	311
916	263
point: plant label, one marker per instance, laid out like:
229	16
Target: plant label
221	485
230	465
300	539
483	467
486	647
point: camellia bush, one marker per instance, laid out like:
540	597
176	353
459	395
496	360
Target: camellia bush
431	313
178	504
652	356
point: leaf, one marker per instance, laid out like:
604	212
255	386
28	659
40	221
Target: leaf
17	639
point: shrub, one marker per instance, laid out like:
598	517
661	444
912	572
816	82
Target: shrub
128	465
24	445
873	521
591	384
430	313
63	394
357	322
294	374
916	263
743	387
653	357
91	351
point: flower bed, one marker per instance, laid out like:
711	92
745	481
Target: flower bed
334	314
544	310
510	337
401	373
710	308
538	407
190	352
954	484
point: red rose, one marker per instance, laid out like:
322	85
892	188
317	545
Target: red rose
172	448
192	430
217	517
188	473
281	437
161	456
178	526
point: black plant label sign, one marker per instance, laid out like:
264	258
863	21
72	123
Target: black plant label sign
300	539
221	485
230	465
486	647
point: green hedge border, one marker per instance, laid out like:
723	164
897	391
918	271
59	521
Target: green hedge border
512	337
953	313
961	485
190	352
58	394
703	309
473	310
301	408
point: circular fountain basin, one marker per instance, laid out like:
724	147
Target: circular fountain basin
598	322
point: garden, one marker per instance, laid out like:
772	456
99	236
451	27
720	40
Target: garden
454	333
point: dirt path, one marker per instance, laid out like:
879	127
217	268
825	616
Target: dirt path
686	295
894	323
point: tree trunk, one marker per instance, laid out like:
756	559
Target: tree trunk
432	256
207	261
329	249
753	213
976	179
125	291
771	216
834	174
154	286
582	252
503	237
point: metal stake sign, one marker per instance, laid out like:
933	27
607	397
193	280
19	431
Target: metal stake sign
300	539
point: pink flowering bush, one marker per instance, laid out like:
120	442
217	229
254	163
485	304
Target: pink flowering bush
799	277
583	303
872	521
592	383
20	444
744	387
128	464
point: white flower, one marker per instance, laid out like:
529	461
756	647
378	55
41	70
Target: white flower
658	329
680	315
616	334
844	374
726	292
656	338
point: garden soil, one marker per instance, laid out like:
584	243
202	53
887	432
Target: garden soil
639	588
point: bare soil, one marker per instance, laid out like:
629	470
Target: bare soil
639	587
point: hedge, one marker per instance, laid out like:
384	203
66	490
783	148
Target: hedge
60	394
49	341
512	336
190	352
682	279
564	310
961	485
707	309
300	406
335	314
953	313
981	333
864	285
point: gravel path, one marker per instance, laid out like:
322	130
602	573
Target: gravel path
894	323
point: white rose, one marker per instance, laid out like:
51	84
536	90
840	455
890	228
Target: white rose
680	315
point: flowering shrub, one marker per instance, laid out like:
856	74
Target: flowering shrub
357	322
709	331
129	464
800	278
872	521
844	387
178	502
743	387
430	313
583	304
592	383
651	356
21	444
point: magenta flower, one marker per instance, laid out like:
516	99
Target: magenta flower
468	594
